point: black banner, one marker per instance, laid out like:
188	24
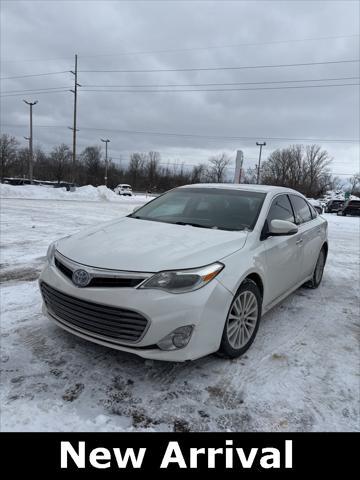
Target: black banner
163	453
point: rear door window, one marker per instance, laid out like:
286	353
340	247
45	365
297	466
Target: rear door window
301	209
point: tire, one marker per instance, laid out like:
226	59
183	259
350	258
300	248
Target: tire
239	333
318	270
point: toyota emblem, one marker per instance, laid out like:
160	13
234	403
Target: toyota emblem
81	278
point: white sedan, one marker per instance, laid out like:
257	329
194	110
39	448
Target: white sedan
187	274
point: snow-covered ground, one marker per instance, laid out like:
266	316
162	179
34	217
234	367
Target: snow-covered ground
301	374
88	193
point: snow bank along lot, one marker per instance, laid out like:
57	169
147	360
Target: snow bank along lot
301	374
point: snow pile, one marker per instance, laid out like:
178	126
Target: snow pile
87	193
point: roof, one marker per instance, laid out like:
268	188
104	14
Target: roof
243	187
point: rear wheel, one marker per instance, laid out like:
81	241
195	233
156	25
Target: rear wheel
319	270
242	321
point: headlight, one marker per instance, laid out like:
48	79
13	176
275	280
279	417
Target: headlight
182	281
51	252
52	248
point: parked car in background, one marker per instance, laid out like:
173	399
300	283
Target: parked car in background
351	207
334	205
16	181
316	204
123	189
187	274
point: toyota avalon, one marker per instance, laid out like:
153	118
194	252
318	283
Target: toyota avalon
187	274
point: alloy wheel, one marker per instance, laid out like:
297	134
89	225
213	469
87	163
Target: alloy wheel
242	319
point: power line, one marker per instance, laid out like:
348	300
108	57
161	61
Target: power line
179	90
200	136
35	89
216	47
34	75
202	69
37	92
163	85
220	89
190	49
18	91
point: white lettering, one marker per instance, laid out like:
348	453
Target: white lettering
246	462
100	454
173	448
272	460
129	454
67	449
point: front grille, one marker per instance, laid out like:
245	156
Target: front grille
109	322
65	270
99	281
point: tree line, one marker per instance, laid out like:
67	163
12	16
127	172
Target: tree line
304	168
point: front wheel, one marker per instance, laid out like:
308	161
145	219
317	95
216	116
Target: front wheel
242	321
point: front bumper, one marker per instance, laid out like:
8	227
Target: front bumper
205	308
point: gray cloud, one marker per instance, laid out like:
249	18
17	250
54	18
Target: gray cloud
40	37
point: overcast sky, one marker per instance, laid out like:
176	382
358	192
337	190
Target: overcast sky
41	37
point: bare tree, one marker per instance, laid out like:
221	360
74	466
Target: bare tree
355	184
198	174
250	176
153	161
8	151
136	166
60	160
336	183
91	158
218	167
316	163
304	169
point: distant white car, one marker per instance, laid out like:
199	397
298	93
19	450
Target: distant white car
123	189
187	274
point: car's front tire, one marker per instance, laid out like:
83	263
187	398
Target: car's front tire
242	321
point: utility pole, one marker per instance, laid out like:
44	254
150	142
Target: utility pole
73	128
106	141
22	164
31	159
259	144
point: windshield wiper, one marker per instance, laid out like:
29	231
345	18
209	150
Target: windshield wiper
214	227
193	224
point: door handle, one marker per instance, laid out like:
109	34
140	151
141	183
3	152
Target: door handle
299	242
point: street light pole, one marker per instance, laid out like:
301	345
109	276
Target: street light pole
106	141
259	144
31	104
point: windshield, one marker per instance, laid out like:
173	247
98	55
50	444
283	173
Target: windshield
217	208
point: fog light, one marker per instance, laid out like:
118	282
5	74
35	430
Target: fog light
179	338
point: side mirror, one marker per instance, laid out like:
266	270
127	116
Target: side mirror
282	227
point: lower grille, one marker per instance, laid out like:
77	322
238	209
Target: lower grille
100	320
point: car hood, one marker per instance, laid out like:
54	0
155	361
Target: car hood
147	246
